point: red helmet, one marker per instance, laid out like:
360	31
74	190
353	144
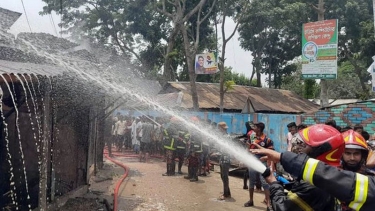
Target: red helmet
194	119
326	141
354	140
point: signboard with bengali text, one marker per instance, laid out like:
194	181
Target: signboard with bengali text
319	50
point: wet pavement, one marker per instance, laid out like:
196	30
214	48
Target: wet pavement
145	189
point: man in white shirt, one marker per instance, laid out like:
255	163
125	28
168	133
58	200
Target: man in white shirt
120	127
292	129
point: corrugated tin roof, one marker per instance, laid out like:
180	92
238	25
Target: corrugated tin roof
260	99
8	18
8	67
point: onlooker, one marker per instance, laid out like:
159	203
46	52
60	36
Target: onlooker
224	164
332	123
264	141
301	126
120	127
137	134
147	130
358	128
292	129
128	131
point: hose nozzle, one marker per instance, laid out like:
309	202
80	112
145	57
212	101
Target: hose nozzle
266	173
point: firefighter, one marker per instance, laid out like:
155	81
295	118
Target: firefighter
354	157
324	143
196	149
183	139
357	190
170	136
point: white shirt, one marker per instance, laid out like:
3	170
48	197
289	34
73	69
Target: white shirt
120	127
138	127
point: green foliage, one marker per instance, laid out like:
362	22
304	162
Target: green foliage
272	31
228	85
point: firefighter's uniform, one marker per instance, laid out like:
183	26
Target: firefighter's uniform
169	140
356	190
183	138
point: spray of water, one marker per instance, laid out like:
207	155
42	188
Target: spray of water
19	141
128	91
223	143
13	189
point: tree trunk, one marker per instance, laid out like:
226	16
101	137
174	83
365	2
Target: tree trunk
168	76
191	68
258	67
221	68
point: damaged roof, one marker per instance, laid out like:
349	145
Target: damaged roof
242	98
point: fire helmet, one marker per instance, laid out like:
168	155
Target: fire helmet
326	142
354	140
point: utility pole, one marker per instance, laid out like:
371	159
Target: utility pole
323	82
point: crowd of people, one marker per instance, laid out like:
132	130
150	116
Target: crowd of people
325	167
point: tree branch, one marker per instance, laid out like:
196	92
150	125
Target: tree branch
164	11
209	12
193	11
122	45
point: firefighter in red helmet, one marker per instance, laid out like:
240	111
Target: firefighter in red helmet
324	143
356	152
358	190
354	157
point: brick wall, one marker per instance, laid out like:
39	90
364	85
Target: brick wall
349	114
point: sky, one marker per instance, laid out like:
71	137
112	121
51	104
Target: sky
236	57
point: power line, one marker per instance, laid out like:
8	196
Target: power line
27	19
61	16
53	24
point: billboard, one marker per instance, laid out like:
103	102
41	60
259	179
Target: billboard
319	50
206	63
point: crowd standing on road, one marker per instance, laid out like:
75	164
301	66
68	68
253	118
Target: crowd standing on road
325	167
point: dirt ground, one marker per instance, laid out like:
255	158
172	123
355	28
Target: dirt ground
145	189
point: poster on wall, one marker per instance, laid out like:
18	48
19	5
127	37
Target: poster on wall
206	63
371	70
319	50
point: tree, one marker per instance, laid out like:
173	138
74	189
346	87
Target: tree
347	83
272	30
228	9
188	17
132	27
294	82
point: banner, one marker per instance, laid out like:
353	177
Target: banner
371	70
319	50
206	63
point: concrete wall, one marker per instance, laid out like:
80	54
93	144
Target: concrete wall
349	114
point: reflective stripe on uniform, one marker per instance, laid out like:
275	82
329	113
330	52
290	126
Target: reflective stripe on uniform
300	202
170	147
361	188
308	171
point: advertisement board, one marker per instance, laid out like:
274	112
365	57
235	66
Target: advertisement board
319	50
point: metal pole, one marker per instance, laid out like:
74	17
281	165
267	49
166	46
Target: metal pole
323	82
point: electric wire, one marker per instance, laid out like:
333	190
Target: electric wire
53	24
27	19
61	16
